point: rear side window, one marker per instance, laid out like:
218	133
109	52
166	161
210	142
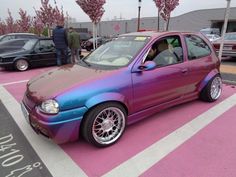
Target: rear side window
197	47
7	38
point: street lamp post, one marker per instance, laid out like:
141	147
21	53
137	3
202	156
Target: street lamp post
139	9
224	29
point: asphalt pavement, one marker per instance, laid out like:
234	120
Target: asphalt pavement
17	157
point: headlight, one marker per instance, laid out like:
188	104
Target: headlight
50	107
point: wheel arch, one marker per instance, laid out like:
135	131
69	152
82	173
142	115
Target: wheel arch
204	82
21	57
107	97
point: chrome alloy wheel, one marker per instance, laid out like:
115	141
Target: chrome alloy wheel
216	88
108	125
22	65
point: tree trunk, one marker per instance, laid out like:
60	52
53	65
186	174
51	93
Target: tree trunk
158	21
49	33
168	21
94	36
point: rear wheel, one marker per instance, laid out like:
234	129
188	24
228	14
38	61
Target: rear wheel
104	124
21	65
212	90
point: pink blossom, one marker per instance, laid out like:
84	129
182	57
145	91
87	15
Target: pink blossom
166	7
93	8
25	21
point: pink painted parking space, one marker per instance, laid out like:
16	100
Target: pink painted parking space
139	136
16	76
211	152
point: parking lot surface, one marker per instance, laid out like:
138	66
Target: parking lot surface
189	140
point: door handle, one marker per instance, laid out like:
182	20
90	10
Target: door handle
184	71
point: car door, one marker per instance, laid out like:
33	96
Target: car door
163	84
44	53
200	61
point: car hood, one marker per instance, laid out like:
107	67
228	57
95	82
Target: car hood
13	53
58	81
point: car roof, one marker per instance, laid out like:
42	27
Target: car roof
14	40
157	34
45	38
21	34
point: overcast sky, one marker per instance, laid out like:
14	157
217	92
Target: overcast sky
126	9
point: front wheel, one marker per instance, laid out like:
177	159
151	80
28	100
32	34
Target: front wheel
212	90
21	65
104	124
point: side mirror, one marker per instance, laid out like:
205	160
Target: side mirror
148	65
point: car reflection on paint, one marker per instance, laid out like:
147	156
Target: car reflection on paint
121	82
36	52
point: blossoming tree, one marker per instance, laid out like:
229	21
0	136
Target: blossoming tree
11	26
165	7
49	15
24	22
94	9
3	27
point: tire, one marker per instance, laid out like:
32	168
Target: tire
104	124
21	65
212	91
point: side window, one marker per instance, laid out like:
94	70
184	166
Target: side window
7	38
197	47
18	43
166	51
45	46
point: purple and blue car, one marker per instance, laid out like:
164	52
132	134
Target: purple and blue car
119	83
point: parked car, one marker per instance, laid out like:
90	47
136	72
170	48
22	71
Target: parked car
88	45
119	84
229	48
212	37
11	36
36	52
210	31
12	45
84	36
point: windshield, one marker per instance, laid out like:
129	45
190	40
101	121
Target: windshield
117	53
230	36
30	44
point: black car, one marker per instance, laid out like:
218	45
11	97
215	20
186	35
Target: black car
84	36
12	45
11	36
88	45
36	52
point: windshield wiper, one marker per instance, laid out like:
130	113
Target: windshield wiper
83	60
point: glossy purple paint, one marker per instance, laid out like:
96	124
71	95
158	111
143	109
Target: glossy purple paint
142	92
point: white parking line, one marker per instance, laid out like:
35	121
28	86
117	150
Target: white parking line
144	160
11	83
55	159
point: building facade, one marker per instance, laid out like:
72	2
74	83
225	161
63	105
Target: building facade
191	21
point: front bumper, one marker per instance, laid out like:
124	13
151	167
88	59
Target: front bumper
6	64
62	131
